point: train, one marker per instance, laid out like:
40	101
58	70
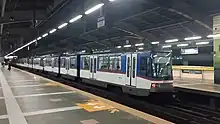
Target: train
135	73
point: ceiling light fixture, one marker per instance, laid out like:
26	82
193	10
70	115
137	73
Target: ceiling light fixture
75	18
45	35
39	38
182	45
213	36
166	46
141	48
140	44
193	38
52	31
127	46
63	25
202	43
94	8
118	47
155	42
172	40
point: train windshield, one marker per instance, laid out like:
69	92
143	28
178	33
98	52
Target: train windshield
161	66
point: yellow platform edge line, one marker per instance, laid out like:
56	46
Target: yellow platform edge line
124	108
199	68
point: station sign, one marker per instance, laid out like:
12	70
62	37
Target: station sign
192	71
189	51
101	22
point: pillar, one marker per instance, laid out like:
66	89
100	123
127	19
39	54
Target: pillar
216	47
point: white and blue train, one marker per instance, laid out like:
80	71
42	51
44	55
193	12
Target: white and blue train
138	73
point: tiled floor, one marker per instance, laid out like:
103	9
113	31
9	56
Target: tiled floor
37	101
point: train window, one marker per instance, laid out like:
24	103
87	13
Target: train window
145	67
56	64
48	62
73	62
103	63
161	66
63	63
85	63
115	63
42	62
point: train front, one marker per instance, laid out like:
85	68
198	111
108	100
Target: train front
162	77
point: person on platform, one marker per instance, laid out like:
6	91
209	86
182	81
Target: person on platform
9	66
3	64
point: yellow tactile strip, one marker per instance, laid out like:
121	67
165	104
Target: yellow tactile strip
94	106
132	111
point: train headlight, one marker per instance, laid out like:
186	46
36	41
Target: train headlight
153	85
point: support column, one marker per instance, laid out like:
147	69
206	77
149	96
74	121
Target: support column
216	47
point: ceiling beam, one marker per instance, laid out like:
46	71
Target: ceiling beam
184	9
22	16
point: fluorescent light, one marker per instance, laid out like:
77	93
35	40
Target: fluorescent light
140	44
172	40
63	25
141	48
126	46
182	45
118	47
94	8
111	0
39	38
193	38
75	18
155	42
34	40
166	46
202	43
45	35
52	31
83	51
213	36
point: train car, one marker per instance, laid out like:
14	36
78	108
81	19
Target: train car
138	73
66	66
70	65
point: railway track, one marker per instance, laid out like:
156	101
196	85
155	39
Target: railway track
173	111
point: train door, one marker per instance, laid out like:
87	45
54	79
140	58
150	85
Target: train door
52	64
67	65
131	70
93	67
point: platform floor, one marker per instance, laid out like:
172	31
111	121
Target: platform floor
200	85
29	99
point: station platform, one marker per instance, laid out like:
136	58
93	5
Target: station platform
26	98
206	87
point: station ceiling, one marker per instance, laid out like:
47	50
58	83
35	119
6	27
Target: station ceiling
126	22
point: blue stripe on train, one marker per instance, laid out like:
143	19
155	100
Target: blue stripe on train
139	56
